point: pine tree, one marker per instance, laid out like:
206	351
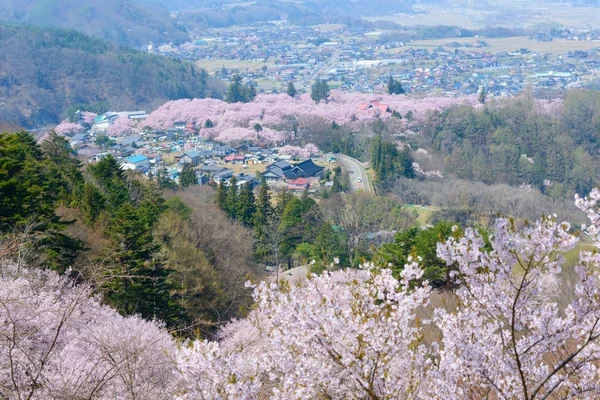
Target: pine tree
234	91
482	95
394	86
291	89
188	176
246	205
232	197
263	205
92	204
319	91
222	193
136	282
208	124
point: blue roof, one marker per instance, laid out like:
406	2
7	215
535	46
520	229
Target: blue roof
136	159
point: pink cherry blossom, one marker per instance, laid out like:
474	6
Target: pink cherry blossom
67	128
58	341
121	126
88	117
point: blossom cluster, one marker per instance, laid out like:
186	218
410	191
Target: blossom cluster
121	126
67	128
275	111
58	341
346	334
425	174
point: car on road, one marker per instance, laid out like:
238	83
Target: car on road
359	179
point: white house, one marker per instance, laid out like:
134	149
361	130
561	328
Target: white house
137	163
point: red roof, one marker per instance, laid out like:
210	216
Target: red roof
238	157
229	158
374	104
299	181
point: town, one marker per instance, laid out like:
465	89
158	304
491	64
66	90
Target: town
164	154
270	54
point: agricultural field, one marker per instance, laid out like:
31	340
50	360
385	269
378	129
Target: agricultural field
506	13
512	44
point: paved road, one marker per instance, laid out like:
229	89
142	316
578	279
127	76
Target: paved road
356	170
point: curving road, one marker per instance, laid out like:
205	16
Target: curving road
359	180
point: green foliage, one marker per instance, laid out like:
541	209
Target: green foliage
416	242
394	86
187	176
110	180
319	91
208	123
482	96
389	163
246	206
514	142
31	188
55	69
291	89
237	92
136	282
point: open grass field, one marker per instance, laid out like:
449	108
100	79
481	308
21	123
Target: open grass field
424	213
325	28
512	44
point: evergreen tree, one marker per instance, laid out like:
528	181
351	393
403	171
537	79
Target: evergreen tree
187	176
235	90
248	94
63	168
222	193
258	127
406	163
482	95
136	282
291	89
232	197
111	180
208	124
29	193
319	91
163	180
92	204
394	86
246	205
263	205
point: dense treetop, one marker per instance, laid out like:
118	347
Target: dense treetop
44	72
126	23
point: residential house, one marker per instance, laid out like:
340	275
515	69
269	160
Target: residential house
308	169
136	163
277	171
224	175
191	157
374	105
298	185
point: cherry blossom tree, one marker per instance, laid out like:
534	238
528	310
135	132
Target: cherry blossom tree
58	341
87	117
511	338
67	128
121	126
344	335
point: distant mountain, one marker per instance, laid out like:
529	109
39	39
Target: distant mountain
125	22
44	71
297	12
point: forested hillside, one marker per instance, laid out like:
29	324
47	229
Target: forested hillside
124	22
45	71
